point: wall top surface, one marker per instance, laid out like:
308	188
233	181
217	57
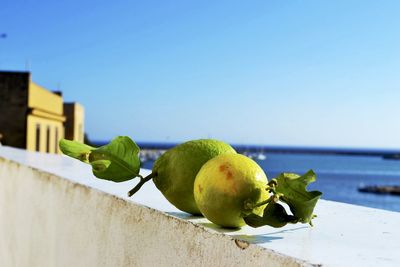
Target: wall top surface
343	235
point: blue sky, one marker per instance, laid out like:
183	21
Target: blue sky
304	73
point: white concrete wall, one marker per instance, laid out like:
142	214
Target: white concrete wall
54	212
46	220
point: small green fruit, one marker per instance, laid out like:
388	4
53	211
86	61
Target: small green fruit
228	187
176	170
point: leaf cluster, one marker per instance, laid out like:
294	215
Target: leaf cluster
289	188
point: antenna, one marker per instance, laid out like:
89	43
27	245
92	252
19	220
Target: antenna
27	65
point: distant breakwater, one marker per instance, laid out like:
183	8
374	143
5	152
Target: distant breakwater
386	153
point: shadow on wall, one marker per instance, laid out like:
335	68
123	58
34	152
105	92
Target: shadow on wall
253	239
264	238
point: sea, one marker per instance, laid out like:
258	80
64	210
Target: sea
339	172
338	176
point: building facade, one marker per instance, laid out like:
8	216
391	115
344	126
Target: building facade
32	117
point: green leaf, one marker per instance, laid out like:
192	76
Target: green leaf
100	165
117	161
289	188
76	150
292	190
274	215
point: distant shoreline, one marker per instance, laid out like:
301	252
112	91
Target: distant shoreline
387	153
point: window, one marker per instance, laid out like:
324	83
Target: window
48	140
56	143
37	137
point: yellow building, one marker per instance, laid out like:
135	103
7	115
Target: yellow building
75	115
44	120
33	117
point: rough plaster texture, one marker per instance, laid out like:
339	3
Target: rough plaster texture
50	221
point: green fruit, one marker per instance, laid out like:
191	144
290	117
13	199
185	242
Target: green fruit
176	170
228	187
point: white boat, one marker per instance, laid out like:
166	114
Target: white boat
261	156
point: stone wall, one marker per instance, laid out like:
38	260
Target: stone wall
47	220
54	212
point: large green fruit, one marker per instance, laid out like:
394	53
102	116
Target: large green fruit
228	187
176	170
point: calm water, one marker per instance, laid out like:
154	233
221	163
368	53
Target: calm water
339	176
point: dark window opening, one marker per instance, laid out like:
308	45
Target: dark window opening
48	140
56	143
37	137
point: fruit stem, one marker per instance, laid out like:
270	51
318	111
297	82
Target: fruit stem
271	198
141	183
274	198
